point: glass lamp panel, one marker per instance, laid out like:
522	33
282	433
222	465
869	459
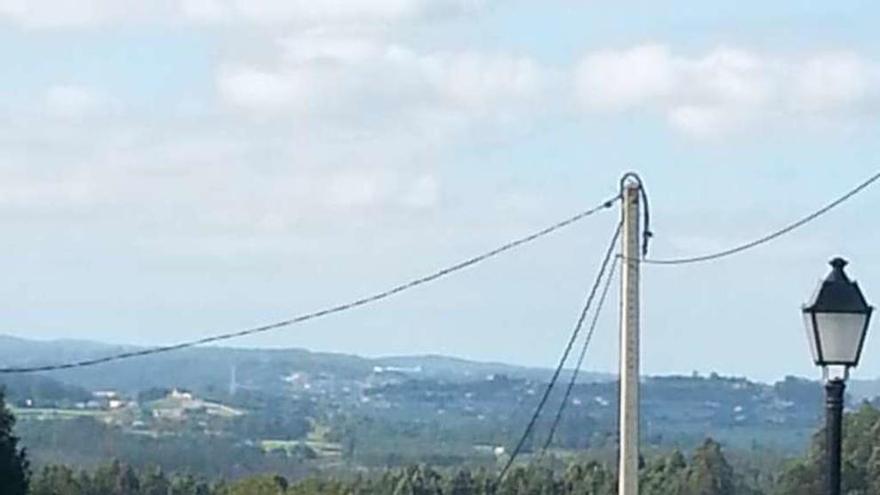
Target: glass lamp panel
840	335
811	335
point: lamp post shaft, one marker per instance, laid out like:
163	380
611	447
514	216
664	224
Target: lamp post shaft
834	389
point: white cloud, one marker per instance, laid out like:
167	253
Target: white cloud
70	101
480	81
727	89
263	90
324	11
424	192
321	74
727	76
213	177
831	81
368	119
624	79
331	128
21	189
37	13
48	14
42	14
706	121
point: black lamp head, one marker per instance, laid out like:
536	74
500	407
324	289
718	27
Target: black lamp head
837	319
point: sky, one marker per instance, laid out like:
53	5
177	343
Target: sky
176	168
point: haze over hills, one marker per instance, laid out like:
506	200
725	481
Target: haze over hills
257	368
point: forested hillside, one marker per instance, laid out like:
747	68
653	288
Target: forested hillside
706	471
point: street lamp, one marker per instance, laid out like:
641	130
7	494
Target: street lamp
837	319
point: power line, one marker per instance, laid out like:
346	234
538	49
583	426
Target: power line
767	238
580	361
324	312
574	334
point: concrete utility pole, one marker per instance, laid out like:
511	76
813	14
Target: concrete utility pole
628	483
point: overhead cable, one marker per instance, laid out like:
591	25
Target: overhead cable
580	362
769	237
555	377
324	312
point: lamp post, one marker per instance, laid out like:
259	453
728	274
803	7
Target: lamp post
836	319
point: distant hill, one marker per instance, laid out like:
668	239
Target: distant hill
401	406
436	366
38	390
863	389
211	368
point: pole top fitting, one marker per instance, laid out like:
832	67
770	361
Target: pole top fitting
630	180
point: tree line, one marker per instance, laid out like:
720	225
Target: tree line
707	471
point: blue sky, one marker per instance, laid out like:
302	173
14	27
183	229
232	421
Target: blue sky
177	168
